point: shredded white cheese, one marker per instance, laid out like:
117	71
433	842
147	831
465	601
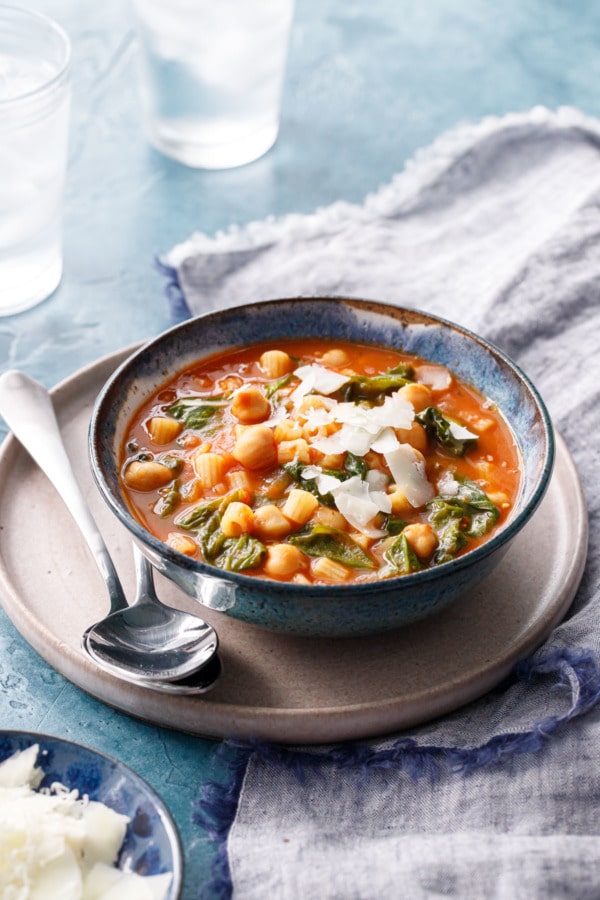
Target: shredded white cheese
55	845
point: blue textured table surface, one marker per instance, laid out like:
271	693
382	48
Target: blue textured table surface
368	84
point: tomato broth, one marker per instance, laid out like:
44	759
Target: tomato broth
315	461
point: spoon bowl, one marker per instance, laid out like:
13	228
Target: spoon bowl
148	642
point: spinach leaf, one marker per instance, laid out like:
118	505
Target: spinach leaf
355	465
168	500
451	537
468	514
175	463
365	387
393	524
237	554
197	412
334	544
437	426
233	554
484	514
401	557
204	513
404	369
272	387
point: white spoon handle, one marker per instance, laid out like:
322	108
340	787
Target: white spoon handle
27	409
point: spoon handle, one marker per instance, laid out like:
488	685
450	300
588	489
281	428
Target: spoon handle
27	409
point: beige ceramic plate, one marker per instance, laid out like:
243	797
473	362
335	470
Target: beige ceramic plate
274	687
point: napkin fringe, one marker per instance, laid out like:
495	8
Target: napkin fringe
216	807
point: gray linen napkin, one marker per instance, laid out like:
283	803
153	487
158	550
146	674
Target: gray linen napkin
495	226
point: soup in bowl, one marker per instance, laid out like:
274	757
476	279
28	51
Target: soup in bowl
321	466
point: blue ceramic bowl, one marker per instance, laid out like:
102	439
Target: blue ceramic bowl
152	845
325	610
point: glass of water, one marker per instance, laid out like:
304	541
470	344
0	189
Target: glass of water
211	77
34	113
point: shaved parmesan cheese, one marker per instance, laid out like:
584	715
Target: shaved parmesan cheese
408	471
437	378
327	483
311	471
377	480
460	433
355	503
394	412
358	501
51	841
347	438
385	441
315	378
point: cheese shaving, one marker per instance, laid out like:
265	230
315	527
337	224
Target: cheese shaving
438	378
358	501
318	379
55	844
460	433
408	471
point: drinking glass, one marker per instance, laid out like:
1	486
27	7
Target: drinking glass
34	114
211	74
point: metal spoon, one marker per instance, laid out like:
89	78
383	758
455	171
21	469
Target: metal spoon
147	643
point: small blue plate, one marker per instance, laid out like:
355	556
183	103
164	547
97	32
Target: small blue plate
152	844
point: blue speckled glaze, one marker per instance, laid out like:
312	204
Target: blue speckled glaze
325	610
152	845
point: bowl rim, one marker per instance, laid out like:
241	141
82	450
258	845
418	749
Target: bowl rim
201	568
164	813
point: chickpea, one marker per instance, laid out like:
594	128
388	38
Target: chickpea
163	429
249	405
331	460
276	363
229	383
182	543
417	394
255	447
270	523
422	539
398	499
329	517
146	475
416	436
283	560
335	357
